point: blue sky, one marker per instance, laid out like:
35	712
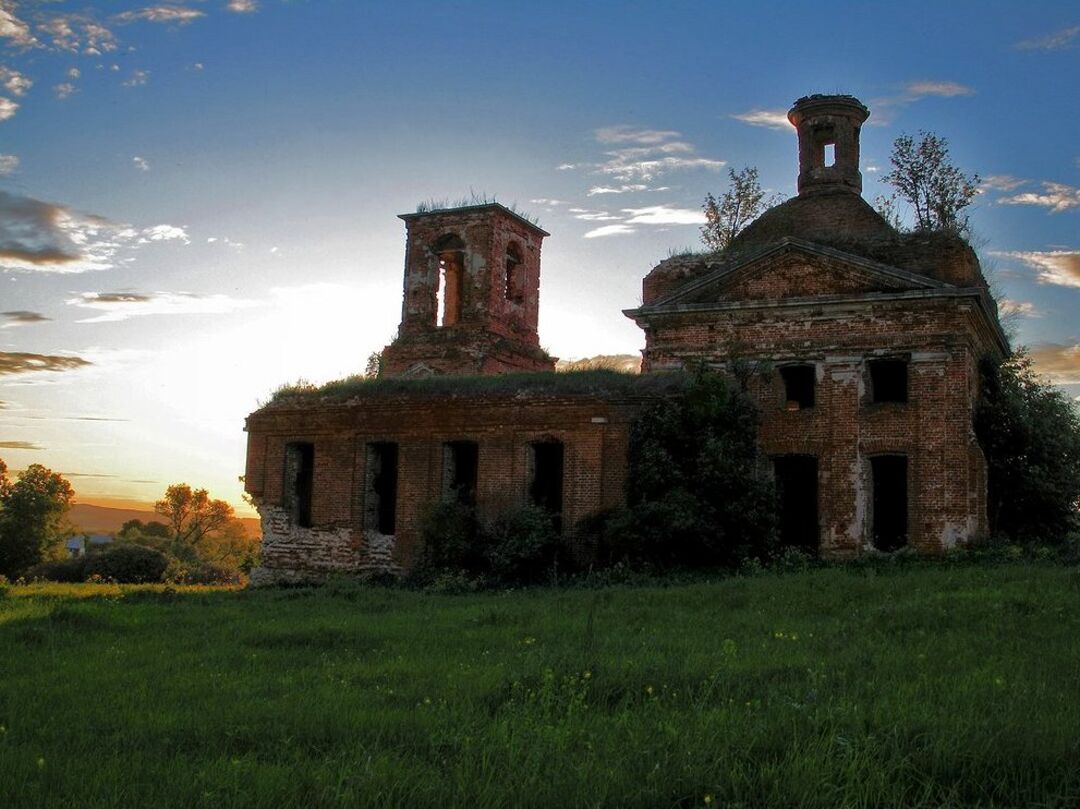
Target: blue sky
198	200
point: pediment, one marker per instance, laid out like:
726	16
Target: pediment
797	271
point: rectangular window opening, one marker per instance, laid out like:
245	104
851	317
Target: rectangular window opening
299	482
830	154
460	466
798	386
888	381
889	478
380	503
797	491
546	477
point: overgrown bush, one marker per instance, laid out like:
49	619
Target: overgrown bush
523	546
180	572
126	563
695	491
69	571
450	540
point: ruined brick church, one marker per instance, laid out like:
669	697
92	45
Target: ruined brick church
863	347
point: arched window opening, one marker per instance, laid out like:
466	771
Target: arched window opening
515	274
450	252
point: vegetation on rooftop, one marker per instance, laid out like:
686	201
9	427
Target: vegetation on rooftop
474	198
584	383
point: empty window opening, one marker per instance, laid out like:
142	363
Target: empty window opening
515	274
889	478
797	491
798	386
888	381
299	480
450	251
546	476
830	154
380	504
460	465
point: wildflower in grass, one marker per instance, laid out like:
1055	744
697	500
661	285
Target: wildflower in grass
41	763
707	799
529	641
586	675
649	690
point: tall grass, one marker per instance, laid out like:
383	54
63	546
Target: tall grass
913	687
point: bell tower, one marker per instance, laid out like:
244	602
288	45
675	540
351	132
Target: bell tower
471	294
828	127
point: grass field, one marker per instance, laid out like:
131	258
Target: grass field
920	686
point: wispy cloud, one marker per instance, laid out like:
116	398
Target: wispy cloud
242	6
180	15
12	28
12	363
597	190
22	318
45	236
116	306
1061	363
1057	197
64	90
141	163
79	33
1011	308
664	215
19	445
610	230
623	133
137	78
1002	182
1058	267
771	119
8	108
9	164
595	216
14	82
1050	42
943	89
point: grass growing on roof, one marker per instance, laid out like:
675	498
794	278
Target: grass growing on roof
932	686
596	382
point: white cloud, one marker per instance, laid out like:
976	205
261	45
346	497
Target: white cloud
1002	182
629	167
1061	363
242	6
664	215
1050	42
64	90
9	163
944	89
14	29
164	14
566	167
8	108
117	306
1057	197
46	237
609	230
141	163
74	73
623	133
621	189
1058	267
1011	308
595	216
14	82
772	119
79	33
138	78
545	201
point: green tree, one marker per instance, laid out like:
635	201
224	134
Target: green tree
32	511
925	178
202	528
695	491
1030	433
736	208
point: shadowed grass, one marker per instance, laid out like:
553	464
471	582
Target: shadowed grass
950	686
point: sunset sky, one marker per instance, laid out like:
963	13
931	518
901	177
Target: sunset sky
198	201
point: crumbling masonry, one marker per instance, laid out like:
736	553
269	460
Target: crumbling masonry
861	346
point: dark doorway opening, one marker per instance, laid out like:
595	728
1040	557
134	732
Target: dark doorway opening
797	489
546	479
460	466
380	510
299	482
889	476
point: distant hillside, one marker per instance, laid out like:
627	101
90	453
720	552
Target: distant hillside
99	519
626	363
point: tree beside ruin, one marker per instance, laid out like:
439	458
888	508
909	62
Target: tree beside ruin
741	204
925	178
